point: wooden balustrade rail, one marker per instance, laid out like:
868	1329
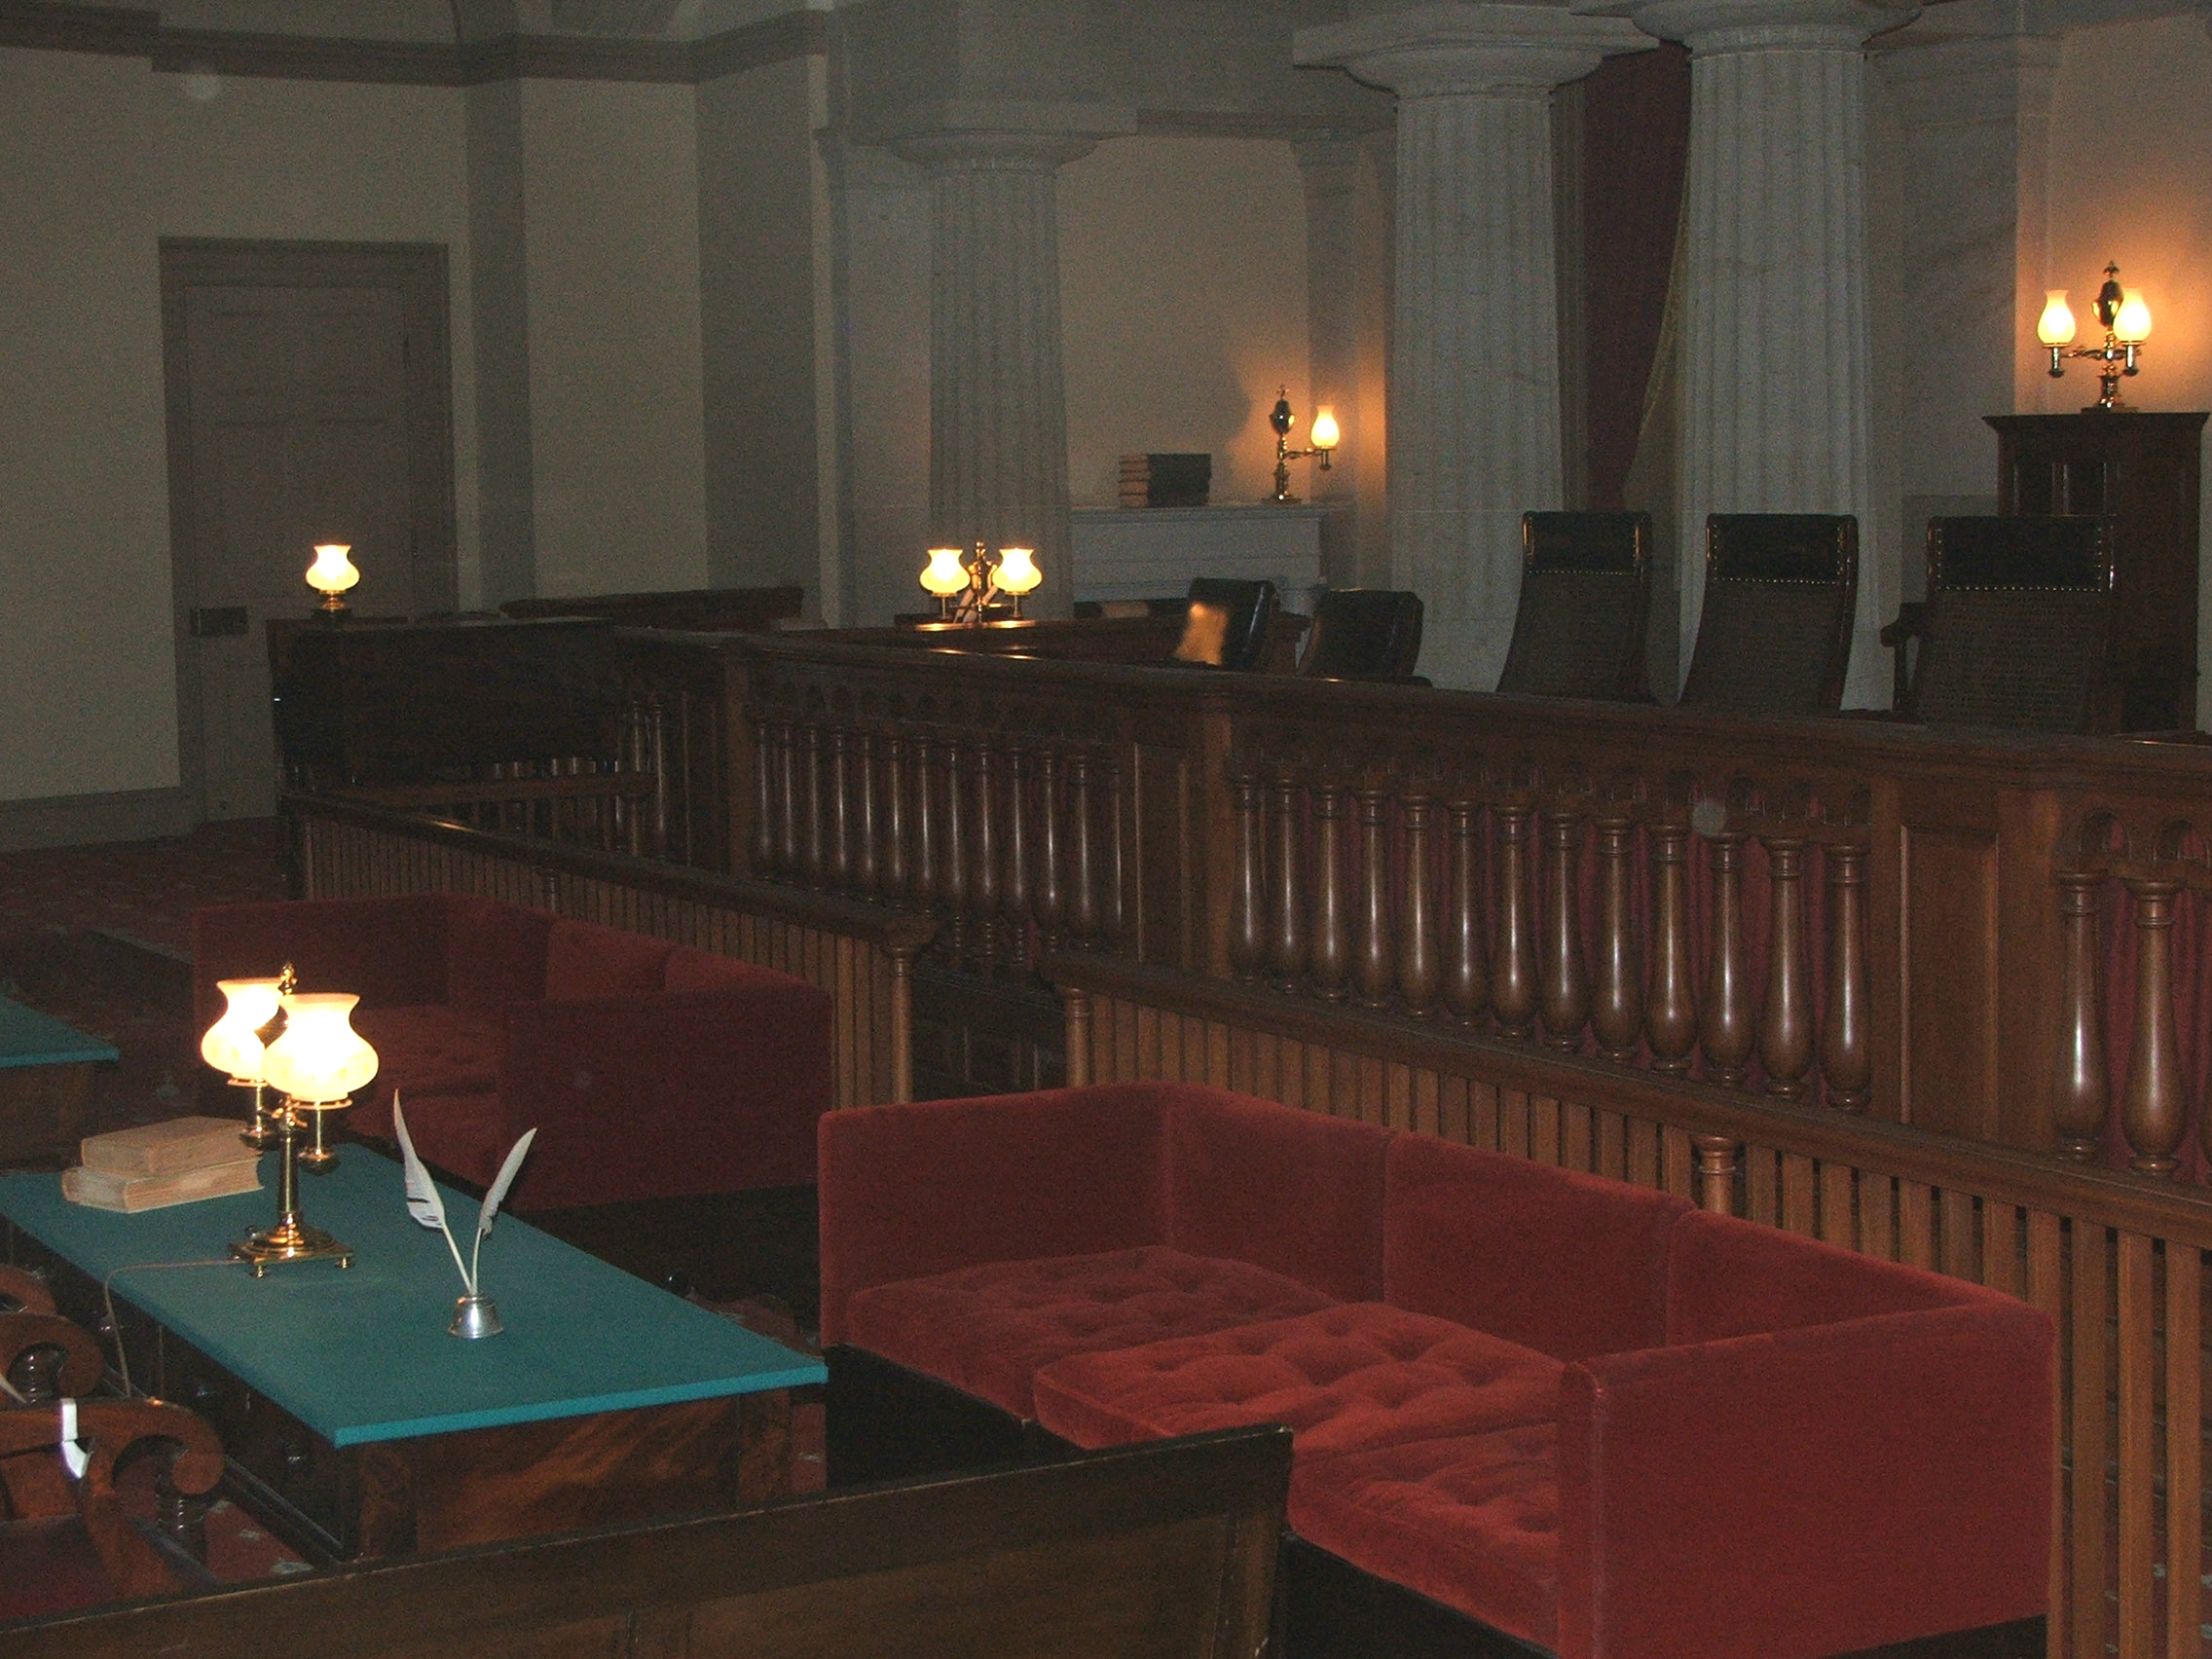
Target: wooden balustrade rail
2115	1256
858	954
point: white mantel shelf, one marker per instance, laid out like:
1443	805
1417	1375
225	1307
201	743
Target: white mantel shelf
1154	552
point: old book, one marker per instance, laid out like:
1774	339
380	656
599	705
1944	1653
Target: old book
103	1189
157	1148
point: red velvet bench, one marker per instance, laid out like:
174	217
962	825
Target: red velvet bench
1531	1407
649	1070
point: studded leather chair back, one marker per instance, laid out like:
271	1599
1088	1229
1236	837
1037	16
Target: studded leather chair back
1363	634
1774	635
1585	595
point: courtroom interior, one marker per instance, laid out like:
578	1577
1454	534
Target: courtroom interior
1326	828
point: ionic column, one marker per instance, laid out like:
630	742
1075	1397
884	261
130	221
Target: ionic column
998	395
1474	370
1775	362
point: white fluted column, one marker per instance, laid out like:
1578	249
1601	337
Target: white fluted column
1777	404
998	392
1474	363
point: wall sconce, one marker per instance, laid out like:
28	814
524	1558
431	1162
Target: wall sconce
1325	440
318	1063
2126	321
330	575
965	589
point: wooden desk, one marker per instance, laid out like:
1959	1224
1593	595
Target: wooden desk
355	1426
46	1082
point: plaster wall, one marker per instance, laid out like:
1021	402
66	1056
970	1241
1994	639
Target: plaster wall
1183	301
2130	180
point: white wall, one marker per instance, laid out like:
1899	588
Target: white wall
1183	301
2131	182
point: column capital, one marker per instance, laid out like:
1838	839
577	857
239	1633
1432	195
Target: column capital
1435	50
966	134
1711	27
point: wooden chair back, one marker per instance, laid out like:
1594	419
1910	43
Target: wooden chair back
1363	634
1774	634
1585	597
1225	622
1163	1551
2016	622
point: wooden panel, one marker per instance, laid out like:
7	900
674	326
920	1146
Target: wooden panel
1163	904
1950	953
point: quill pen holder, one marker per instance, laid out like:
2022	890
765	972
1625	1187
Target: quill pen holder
475	1316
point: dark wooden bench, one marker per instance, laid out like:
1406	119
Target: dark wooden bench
1161	1550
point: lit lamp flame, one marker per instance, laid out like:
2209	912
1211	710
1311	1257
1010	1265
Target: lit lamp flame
2132	326
331	574
1018	574
233	1044
318	1063
2056	326
2127	323
944	577
1325	434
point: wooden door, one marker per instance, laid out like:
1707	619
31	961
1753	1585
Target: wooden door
307	402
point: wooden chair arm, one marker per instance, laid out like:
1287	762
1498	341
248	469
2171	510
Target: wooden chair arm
25	1289
22	1335
192	1465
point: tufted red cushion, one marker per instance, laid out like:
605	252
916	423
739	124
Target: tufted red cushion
1735	1279
461	1134
1299	1193
421	1051
989	1329
1346	1378
1569	1263
1471	1520
586	961
495	954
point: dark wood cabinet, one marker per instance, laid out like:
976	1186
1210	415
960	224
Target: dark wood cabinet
2143	470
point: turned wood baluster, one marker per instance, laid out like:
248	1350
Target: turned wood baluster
838	832
1052	903
1418	976
2150	1107
1786	1023
1013	896
1671	1023
788	841
862	874
1113	899
1727	1031
929	823
1616	1012
1247	917
1083	854
1286	939
813	855
1513	965
1847	1061
1566	979
1332	932
984	883
895	869
1466	964
957	850
2085	1084
1718	1162
1371	972
768	797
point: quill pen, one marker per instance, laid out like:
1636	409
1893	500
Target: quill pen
422	1200
492	1197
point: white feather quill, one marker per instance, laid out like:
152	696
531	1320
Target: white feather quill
424	1202
492	1197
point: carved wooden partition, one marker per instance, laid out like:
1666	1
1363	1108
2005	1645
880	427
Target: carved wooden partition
2116	1258
860	956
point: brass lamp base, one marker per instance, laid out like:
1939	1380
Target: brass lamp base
290	1239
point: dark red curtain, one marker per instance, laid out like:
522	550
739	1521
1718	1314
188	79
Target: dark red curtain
1636	137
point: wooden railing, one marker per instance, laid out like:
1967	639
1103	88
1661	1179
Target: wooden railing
2116	1258
860	955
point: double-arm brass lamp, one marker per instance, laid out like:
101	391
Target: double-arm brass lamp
966	588
2126	321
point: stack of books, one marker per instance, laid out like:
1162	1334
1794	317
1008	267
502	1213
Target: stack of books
1165	480
157	1164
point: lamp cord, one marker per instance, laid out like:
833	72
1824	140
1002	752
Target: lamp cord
114	1326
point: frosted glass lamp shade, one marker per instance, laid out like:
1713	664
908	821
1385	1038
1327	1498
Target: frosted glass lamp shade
1017	572
1326	436
332	571
233	1044
2133	324
321	1058
944	574
2056	326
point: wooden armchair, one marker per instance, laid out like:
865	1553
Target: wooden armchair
70	1543
1585	597
2013	631
23	1292
1363	634
1225	622
1774	635
44	1356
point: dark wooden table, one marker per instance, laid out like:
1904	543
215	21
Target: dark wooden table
46	1082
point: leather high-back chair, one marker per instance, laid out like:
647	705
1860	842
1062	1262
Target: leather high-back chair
2014	629
1585	595
1774	635
1225	622
1363	634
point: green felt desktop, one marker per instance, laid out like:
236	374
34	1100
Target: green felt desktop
29	1038
360	1354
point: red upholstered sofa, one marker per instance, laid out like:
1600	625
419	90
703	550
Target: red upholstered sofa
649	1070
1578	1412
